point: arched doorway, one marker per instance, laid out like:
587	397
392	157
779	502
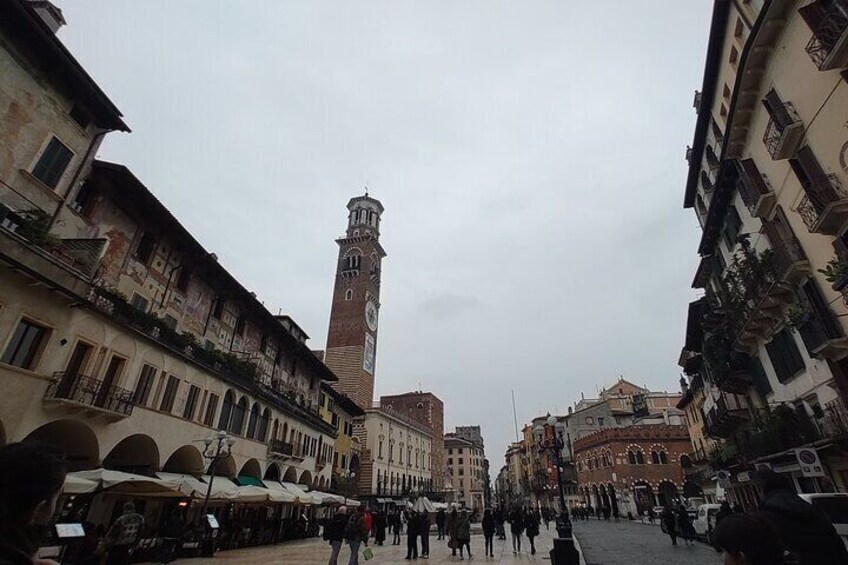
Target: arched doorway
605	497
290	476
354	463
643	495
187	459
667	493
74	438
596	497
305	478
321	483
252	469
226	467
272	473
137	454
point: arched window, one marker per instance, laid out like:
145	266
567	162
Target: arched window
663	458
262	432
285	433
631	457
226	411
640	458
706	182
275	430
655	458
253	421
712	160
237	420
700	205
349	294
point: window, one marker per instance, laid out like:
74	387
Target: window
734	56
144	385
600	421
380	450
240	322
461	461
237	420
663	458
590	420
461	471
191	402
183	279
145	248
139	302
25	345
52	163
253	421
80	116
784	355
655	458
170	395
211	407
460	452
348	294
640	458
740	27
227	411
732	226
712	160
218	308
84	199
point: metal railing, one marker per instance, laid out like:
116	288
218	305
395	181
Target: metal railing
785	253
820	194
751	189
834	422
89	391
827	36
782	118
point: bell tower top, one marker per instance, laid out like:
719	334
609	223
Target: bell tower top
364	216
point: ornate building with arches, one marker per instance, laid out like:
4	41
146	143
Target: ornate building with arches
632	468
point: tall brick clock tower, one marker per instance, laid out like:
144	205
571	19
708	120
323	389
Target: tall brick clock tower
354	317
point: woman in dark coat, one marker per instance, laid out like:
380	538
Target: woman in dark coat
395	523
379	527
516	526
684	520
531	526
489	531
453	524
670	521
412	525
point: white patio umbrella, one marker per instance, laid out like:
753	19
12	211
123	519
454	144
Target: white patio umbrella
423	504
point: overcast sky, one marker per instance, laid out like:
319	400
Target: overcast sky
530	157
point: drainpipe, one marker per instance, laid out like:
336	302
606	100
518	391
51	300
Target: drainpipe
94	143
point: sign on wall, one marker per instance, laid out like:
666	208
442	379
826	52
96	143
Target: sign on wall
368	358
808	460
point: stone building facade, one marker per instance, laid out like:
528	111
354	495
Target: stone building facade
466	463
352	337
427	408
631	468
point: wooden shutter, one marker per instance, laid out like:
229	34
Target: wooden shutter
813	14
817	187
774	106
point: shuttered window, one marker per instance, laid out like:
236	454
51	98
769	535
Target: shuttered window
784	355
52	163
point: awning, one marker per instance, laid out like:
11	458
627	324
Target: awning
326	499
279	493
251	493
301	495
222	487
189	485
128	483
78	485
247	480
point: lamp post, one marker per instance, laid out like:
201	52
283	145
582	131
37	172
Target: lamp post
350	478
564	551
217	447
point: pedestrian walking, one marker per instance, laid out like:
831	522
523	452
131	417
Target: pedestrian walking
123	535
424	532
615	513
353	534
489	532
606	513
31	479
670	521
531	526
412	525
334	531
684	521
379	527
369	525
441	519
499	523
396	525
453	524
516	526
171	534
747	540
805	530
590	511
652	515
463	534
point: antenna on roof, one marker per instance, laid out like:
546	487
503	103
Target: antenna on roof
366	190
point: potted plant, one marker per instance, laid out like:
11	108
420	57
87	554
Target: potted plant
836	273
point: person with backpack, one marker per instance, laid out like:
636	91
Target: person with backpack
123	535
334	533
353	534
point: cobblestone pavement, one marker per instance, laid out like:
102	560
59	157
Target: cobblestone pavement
633	543
317	552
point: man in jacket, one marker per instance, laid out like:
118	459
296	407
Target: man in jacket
354	532
123	535
334	533
804	529
441	519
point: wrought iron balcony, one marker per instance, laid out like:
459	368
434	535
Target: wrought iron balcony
828	47
726	416
757	195
824	207
784	132
834	422
87	392
822	334
789	261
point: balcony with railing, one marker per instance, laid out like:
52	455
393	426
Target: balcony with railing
824	207
821	332
81	391
828	47
783	132
834	421
757	194
724	418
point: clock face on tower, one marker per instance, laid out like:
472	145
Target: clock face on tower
371	316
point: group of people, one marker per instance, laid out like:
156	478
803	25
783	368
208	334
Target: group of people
678	523
601	512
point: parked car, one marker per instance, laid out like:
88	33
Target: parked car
704	521
835	505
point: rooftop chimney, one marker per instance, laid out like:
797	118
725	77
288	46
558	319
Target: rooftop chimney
49	13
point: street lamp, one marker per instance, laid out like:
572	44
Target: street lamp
564	551
217	447
349	477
